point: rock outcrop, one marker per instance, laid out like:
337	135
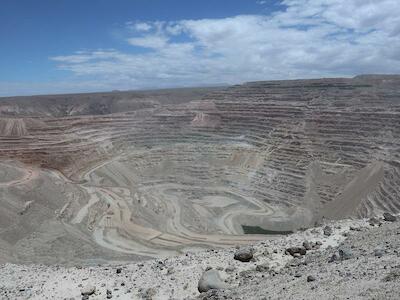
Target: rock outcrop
211	280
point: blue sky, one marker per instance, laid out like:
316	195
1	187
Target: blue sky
64	46
34	30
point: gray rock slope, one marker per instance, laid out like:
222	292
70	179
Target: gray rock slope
360	259
365	266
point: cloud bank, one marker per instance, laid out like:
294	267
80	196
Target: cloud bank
307	38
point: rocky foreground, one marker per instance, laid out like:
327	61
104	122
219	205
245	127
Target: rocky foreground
350	259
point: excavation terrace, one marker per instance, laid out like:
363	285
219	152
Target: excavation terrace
132	175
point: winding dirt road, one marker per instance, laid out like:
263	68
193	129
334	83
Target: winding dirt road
118	231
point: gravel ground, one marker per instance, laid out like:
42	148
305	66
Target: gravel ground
349	259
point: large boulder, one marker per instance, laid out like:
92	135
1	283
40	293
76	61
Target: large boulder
328	231
244	254
88	290
296	250
374	222
211	280
310	278
345	254
389	217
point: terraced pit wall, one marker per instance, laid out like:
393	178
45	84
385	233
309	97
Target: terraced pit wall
154	173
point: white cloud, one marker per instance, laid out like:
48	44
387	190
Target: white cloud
309	38
150	41
85	56
142	26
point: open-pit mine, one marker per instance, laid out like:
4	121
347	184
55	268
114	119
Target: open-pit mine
126	175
